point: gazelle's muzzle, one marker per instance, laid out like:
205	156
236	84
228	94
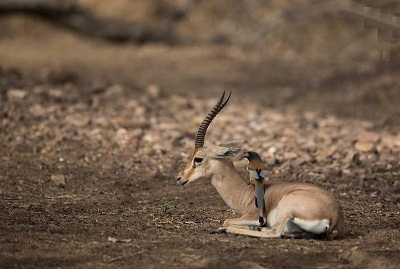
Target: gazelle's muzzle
180	181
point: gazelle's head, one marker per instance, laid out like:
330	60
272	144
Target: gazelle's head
204	161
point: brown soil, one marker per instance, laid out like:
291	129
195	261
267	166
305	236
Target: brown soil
90	151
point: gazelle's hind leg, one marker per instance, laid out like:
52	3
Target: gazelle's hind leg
285	228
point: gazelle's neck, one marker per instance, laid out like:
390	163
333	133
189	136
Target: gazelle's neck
230	185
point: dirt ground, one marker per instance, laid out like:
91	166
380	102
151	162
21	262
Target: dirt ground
92	139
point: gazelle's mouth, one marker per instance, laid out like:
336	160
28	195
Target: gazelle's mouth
181	183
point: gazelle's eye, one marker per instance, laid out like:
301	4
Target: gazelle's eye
197	160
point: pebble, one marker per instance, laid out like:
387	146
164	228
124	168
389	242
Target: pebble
78	120
153	91
56	93
272	150
364	146
368	137
121	137
16	95
37	111
353	157
289	155
332	172
59	180
299	161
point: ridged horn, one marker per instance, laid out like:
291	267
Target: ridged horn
201	133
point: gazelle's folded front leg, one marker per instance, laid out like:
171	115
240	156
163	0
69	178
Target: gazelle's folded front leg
245	230
242	223
245	220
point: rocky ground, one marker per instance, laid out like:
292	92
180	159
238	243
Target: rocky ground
88	180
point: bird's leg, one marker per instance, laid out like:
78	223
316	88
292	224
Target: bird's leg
260	202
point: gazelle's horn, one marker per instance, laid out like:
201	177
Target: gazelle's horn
201	133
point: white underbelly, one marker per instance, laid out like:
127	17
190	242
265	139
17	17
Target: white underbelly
271	218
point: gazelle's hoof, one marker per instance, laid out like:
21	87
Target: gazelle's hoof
254	228
221	230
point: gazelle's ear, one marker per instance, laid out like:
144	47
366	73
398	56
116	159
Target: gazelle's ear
233	144
225	152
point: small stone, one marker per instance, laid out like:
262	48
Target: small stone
121	137
59	180
115	240
299	161
368	137
37	111
364	146
113	91
269	159
56	93
332	172
309	145
112	239
289	155
250	265
272	150
342	186
278	159
367	124
353	157
78	120
16	94
153	91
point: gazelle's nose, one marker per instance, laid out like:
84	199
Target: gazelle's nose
178	178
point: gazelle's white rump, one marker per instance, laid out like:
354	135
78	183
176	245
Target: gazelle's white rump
312	226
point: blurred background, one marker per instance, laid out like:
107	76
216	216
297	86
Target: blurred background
338	57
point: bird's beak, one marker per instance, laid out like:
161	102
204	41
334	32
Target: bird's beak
245	154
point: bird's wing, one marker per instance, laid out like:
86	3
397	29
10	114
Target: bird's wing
263	173
253	173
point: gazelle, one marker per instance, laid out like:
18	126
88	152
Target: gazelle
291	209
